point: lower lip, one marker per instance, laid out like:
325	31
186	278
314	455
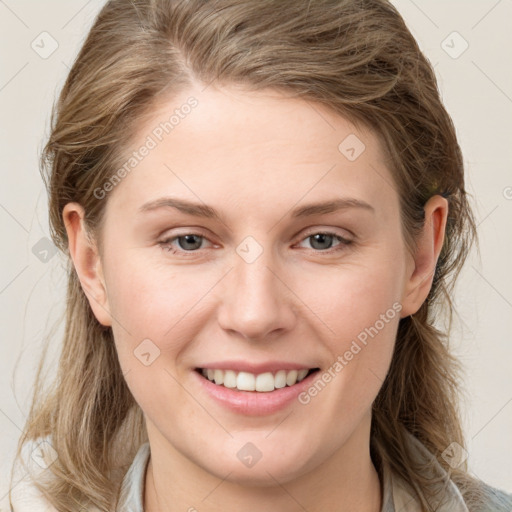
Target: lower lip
254	403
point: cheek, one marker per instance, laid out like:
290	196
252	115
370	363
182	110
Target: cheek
155	320
359	307
352	297
360	355
158	303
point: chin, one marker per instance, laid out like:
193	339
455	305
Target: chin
251	467
263	475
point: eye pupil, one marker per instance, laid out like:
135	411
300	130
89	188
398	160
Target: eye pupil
321	238
190	240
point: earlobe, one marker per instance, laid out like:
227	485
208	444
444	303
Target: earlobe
428	248
87	262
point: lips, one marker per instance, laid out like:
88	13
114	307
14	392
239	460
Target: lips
266	381
254	403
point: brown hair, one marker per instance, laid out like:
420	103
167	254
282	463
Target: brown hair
357	58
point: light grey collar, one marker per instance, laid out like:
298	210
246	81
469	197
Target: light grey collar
397	495
131	498
447	499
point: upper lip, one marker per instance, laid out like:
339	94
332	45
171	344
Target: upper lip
245	366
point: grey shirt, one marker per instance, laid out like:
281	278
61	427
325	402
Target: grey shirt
397	495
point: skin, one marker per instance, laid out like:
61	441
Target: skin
255	156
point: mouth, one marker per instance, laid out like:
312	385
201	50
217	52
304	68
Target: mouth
258	383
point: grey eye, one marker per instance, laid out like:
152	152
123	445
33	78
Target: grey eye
191	242
321	241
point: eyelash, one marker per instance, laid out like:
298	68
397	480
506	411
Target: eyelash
344	242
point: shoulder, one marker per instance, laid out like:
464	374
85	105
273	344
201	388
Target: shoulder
36	457
491	499
31	468
471	495
131	497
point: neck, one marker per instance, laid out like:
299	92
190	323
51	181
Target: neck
347	480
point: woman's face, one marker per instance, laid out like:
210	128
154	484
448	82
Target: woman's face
248	273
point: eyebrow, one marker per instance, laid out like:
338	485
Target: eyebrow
203	210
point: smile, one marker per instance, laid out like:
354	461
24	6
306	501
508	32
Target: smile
263	382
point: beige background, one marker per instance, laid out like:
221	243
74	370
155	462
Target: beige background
477	90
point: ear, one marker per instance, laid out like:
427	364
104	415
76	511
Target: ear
87	262
420	273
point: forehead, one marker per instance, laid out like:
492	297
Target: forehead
229	146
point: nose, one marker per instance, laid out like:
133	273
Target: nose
257	302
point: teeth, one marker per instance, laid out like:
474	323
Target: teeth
280	379
245	381
301	374
229	379
265	382
218	376
291	377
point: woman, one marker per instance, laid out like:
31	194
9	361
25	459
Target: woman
217	356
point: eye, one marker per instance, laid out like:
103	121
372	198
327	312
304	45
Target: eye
189	242
322	241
